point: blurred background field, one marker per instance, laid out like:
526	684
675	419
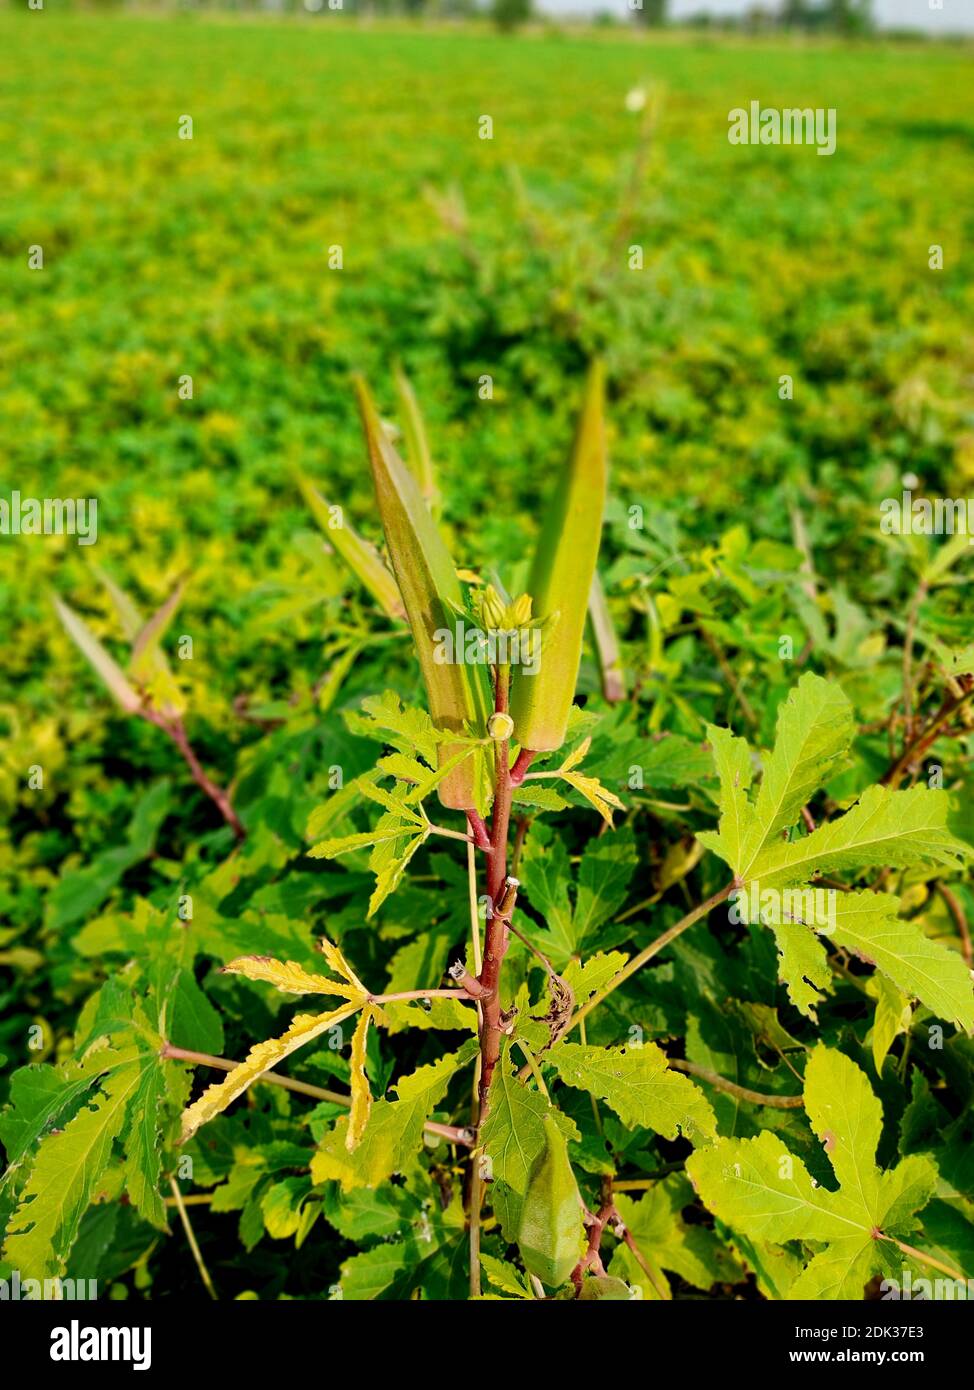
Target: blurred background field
462	258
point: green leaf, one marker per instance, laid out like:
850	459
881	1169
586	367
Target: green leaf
513	1134
758	1187
161	1092
40	1095
885	828
395	1130
638	1085
65	1175
605	870
893	1016
146	654
732	760
657	1226
505	1276
385	719
815	728
868	925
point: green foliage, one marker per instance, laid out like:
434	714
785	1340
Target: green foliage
895	828
797	684
756	1185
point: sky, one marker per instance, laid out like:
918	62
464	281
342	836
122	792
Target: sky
956	16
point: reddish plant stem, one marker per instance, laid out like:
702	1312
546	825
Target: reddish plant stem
960	921
177	732
522	829
592	1258
929	735
522	762
478	829
496	936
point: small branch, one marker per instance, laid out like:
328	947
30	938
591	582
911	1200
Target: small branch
450	834
908	637
475	942
915	1254
522	829
496	937
960	921
621	1230
187	1227
644	1184
476	1202
177	732
894	775
592	1259
451	1133
799	536
731	1087
479	831
729	676
521	764
468	983
464	995
653	949
540	955
534	1068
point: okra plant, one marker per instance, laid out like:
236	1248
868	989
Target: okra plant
643	1101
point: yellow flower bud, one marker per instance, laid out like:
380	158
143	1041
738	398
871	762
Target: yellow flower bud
500	726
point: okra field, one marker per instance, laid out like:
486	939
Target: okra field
487	708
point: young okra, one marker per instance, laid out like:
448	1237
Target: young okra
456	691
561	581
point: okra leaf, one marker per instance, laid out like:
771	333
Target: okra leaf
638	1085
758	1187
394	1134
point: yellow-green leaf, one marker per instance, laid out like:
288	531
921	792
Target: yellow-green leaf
260	1059
146	655
289	977
358	1115
336	959
106	667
